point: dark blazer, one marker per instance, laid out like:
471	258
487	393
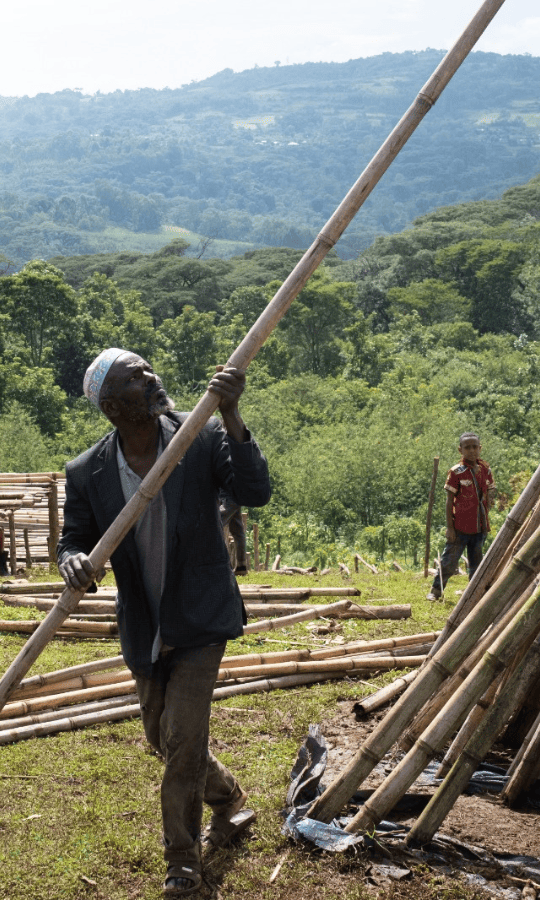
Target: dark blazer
201	603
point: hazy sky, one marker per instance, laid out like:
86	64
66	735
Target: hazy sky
109	44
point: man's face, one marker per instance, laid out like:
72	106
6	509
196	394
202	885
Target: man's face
470	449
137	390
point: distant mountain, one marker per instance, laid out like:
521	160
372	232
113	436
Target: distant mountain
261	157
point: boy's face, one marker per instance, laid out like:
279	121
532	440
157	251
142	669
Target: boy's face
470	449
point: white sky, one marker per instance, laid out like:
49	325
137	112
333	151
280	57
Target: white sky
49	45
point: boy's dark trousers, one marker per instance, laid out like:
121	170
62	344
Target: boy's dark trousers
452	553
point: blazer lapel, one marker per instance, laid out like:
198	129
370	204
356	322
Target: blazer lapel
109	489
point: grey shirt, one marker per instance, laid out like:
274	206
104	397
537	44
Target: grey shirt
150	539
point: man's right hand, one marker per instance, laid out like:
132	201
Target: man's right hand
78	571
450	534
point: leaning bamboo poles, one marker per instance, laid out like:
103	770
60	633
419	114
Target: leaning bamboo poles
499	656
258	334
444	663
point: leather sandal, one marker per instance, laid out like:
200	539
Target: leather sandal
222	831
181	881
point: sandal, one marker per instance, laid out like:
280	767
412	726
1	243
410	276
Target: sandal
181	881
221	831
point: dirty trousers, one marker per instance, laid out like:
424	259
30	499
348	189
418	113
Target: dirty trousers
175	709
452	553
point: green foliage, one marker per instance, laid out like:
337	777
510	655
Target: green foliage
23	447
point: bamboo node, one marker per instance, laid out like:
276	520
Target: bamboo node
324	239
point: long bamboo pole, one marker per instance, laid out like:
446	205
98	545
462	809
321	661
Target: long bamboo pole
432	707
499	656
446	662
258	334
511	698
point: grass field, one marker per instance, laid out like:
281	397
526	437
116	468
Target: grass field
80	811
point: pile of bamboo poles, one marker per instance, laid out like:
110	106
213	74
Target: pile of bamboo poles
31	512
104	690
478	675
99	613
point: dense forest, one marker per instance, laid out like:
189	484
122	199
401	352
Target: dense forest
258	158
378	366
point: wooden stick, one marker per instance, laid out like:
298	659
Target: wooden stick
12	544
256	336
341	664
98	665
511	698
431	499
27	549
54	525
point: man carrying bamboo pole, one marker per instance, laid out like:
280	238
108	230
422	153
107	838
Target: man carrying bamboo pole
469	490
178	601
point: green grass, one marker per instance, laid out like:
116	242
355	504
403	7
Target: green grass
80	812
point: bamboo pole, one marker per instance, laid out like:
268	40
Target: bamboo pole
369	704
70	723
436	703
445	662
341	664
468	728
78	709
511	698
75	683
285	621
256	564
431	499
97	665
499	656
398	611
258	334
526	769
49	701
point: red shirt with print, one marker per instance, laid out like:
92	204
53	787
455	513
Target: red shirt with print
470	491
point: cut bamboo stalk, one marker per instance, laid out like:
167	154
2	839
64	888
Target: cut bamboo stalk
95	679
499	656
48	678
368	705
341	664
285	621
371	568
70	723
257	335
71	625
81	708
446	661
401	611
468	728
90	607
33	704
437	702
354	648
275	684
510	699
27	549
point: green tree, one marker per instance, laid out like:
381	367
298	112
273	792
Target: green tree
39	304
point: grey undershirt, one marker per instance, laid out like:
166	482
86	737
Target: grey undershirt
150	539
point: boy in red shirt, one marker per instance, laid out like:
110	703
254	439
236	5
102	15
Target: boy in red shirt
469	488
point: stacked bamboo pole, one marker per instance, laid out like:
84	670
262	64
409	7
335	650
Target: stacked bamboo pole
91	693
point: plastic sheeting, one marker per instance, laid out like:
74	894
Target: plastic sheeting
442	852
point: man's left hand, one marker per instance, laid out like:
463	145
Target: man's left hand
229	383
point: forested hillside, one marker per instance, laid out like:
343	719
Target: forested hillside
378	366
262	157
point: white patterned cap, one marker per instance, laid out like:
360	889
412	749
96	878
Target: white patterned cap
97	372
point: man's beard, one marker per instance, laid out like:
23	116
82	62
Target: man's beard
162	405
